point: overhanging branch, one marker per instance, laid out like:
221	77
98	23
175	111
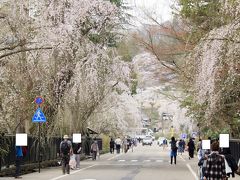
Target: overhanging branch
23	50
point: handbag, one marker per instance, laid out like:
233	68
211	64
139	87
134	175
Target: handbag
200	162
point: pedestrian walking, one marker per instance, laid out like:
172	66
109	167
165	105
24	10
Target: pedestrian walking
202	155
174	149
118	142
191	148
112	144
199	144
184	145
139	140
66	152
215	165
164	143
19	158
181	147
77	152
94	150
230	163
125	145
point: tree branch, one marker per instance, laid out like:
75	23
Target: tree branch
24	50
222	39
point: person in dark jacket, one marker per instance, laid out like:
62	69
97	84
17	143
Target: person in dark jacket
230	161
173	150
180	146
191	148
112	144
76	152
65	152
19	157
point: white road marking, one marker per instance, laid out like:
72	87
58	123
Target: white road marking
159	160
120	164
59	177
182	158
191	170
121	160
114	157
134	160
147	160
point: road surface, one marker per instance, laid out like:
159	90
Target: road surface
144	163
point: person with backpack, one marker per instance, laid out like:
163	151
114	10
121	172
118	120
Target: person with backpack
65	152
215	165
173	150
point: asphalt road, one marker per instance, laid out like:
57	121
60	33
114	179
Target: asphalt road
144	163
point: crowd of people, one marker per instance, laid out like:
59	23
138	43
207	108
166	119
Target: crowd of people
70	152
214	163
125	144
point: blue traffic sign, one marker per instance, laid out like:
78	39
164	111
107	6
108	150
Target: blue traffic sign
184	136
39	100
39	116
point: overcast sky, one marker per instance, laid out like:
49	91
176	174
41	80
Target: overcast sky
159	8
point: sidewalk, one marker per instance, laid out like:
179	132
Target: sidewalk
54	173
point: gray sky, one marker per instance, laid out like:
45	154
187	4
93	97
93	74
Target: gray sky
160	9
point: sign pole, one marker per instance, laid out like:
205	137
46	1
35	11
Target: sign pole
39	118
39	138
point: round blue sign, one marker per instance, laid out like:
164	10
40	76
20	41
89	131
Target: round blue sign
39	100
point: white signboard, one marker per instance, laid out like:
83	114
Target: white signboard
21	139
224	140
77	138
206	144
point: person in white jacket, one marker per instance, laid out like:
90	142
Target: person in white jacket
118	143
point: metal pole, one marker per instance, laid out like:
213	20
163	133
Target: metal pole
39	133
199	136
162	124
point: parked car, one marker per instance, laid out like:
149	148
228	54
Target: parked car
147	140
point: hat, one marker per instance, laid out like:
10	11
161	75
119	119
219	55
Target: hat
65	137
